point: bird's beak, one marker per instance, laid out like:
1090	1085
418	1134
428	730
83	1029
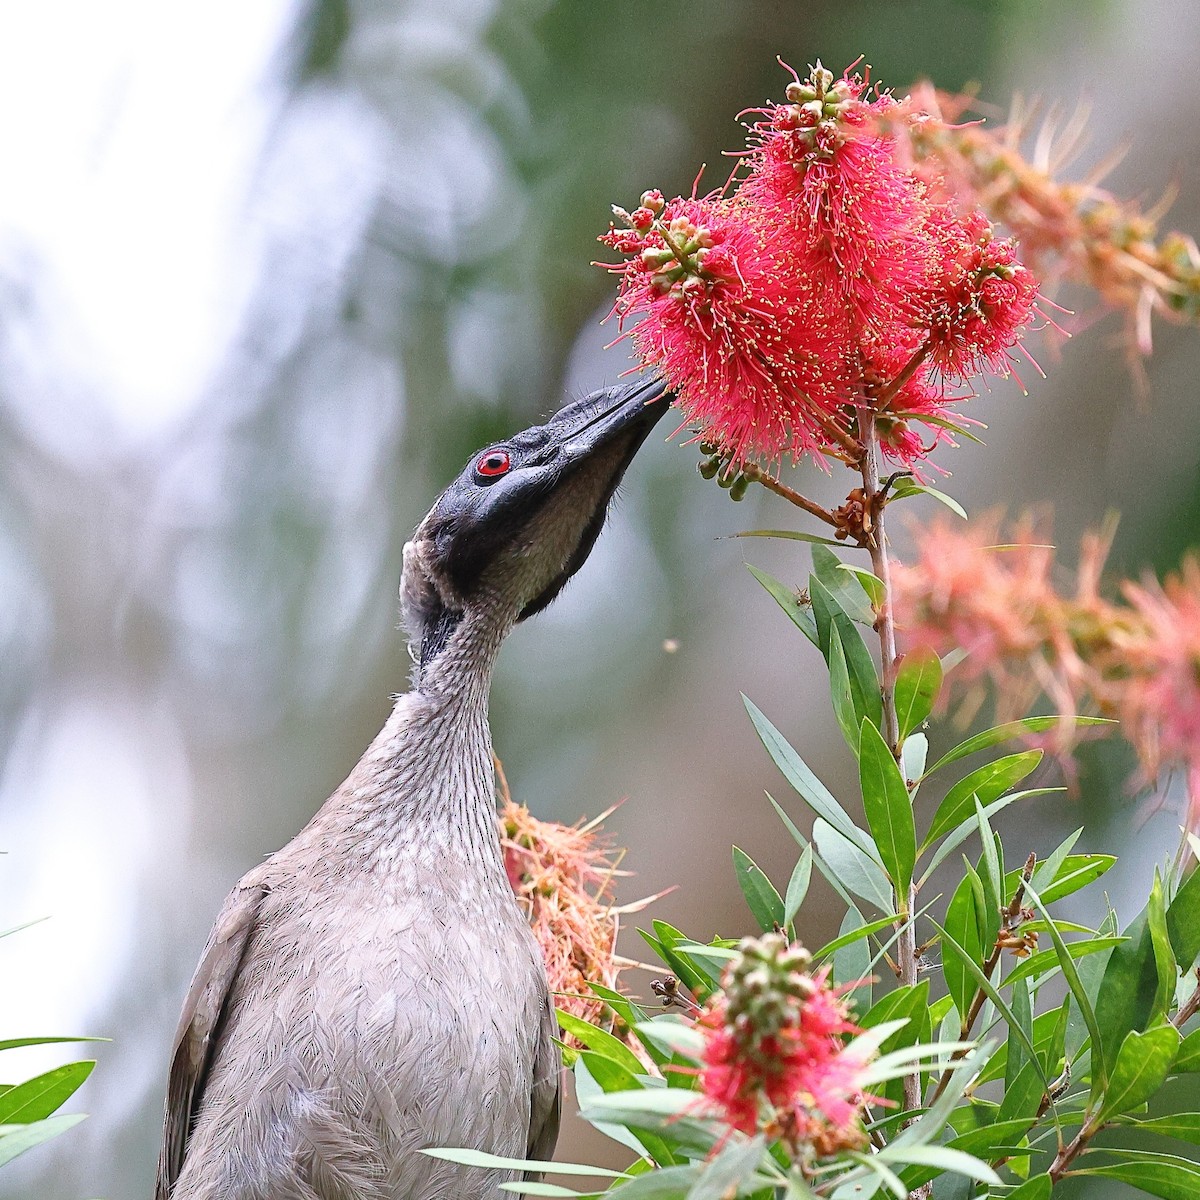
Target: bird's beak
597	421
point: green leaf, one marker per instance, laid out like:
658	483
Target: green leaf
16	1043
792	535
629	1013
664	941
941	423
599	1041
38	1098
25	1137
1140	1069
1162	1175
989	990
480	1158
888	808
796	771
1082	1000
846	591
1184	1127
853	935
1129	989
761	897
801	615
1188	1058
841	690
834	627
912	760
535	1187
1160	940
911	1005
906	487
917	685
988	784
1043	1037
1037	1188
1183	921
871	583
797	888
951	841
1047	960
859	872
729	1170
1005	733
672	1183
852	962
1077	871
962	920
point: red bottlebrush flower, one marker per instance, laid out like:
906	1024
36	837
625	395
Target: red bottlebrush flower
731	327
563	877
850	214
773	1042
980	298
1161	652
830	281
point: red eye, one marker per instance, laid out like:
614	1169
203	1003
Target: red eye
494	462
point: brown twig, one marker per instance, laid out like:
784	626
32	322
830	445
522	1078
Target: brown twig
756	474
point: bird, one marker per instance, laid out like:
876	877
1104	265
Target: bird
373	988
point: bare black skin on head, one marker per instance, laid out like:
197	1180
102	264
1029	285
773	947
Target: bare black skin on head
508	543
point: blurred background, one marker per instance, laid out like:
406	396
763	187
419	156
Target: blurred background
268	273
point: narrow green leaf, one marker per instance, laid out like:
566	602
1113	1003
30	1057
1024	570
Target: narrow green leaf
1160	941
480	1158
1188	1058
1129	988
1017	1058
1140	1069
852	962
1184	1127
951	841
888	808
25	1137
942	423
859	872
16	1043
1037	1188
841	690
1082	1000
1047	960
871	583
672	1183
910	1005
536	1187
796	771
962	921
760	894
846	591
792	535
599	1040
1162	1175
917	685
1077	871
725	1174
38	1098
1005	733
801	615
797	888
988	784
854	935
989	990
1183	921
906	487
596	1076
828	600
912	760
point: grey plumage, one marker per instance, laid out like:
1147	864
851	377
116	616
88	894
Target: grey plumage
373	988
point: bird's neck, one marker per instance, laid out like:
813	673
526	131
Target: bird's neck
425	790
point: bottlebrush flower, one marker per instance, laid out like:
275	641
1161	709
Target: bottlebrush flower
1137	661
727	321
563	877
827	281
774	1056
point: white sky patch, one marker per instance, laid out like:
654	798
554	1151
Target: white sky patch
131	129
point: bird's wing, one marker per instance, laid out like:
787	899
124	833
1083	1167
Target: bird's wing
200	1022
546	1103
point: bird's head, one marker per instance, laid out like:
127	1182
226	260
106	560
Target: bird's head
522	517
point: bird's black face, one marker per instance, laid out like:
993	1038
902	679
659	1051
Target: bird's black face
523	515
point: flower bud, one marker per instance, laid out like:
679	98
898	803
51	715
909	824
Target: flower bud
708	467
740	486
653	200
